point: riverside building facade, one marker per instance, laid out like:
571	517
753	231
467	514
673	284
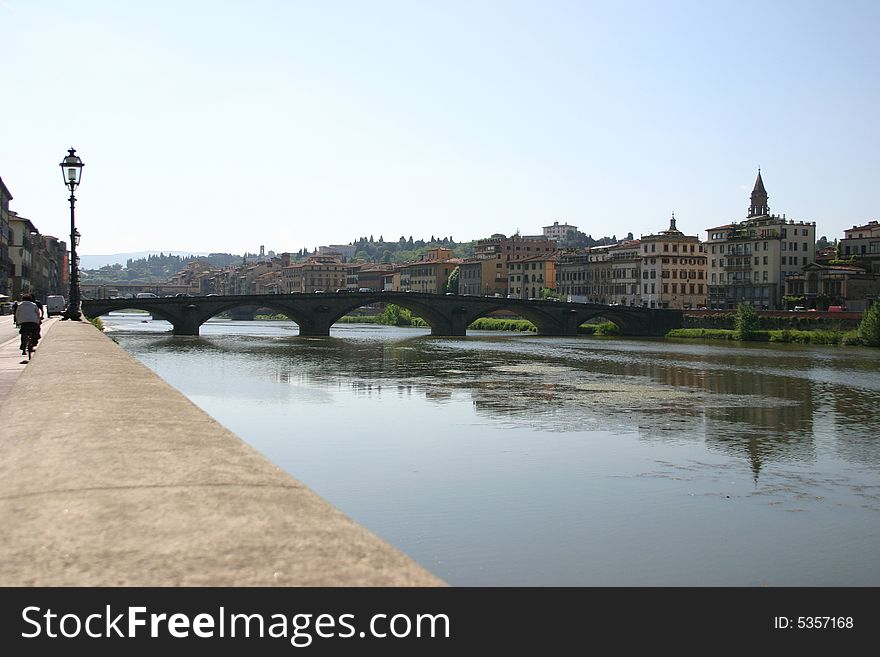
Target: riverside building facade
674	270
749	260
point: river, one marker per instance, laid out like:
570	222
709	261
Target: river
507	459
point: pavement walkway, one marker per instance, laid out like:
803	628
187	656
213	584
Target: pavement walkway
111	477
12	363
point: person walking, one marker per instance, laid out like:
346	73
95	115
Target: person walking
28	317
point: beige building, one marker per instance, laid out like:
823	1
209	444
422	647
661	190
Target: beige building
482	277
626	276
863	242
5	197
429	274
674	270
821	286
585	275
325	273
749	260
23	239
559	232
571	275
528	276
502	250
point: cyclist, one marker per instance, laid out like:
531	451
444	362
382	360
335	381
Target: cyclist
28	317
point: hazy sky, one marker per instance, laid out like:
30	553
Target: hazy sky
224	125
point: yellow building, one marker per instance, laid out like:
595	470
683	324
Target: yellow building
324	273
526	277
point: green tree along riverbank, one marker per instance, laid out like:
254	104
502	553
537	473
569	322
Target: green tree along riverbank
747	326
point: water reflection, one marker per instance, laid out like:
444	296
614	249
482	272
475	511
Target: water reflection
738	401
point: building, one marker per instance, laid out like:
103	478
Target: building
483	277
527	277
674	270
48	266
571	274
598	274
559	232
863	244
372	276
749	260
429	274
345	251
5	237
819	286
23	240
626	277
503	249
325	273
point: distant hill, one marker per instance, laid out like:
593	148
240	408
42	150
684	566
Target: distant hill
98	261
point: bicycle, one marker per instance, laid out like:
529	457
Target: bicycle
30	341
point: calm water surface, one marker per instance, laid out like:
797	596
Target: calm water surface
518	460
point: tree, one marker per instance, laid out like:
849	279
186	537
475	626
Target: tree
869	327
452	281
746	322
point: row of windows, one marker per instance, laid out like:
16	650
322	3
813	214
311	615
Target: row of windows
769	232
521	265
741	276
862	249
686	288
684	248
744	262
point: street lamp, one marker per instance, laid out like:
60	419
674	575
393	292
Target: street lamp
71	170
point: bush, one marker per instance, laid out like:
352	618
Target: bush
97	323
495	324
869	327
606	328
745	322
704	333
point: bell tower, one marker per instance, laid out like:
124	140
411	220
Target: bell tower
759	206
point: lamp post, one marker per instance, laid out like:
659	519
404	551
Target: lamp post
71	169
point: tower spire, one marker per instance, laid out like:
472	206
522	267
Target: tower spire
759	206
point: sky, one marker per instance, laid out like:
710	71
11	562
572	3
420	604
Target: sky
221	126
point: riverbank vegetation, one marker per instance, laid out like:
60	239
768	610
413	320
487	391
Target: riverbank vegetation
748	327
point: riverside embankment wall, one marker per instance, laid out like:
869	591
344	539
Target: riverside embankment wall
111	477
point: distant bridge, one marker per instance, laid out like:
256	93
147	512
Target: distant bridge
445	314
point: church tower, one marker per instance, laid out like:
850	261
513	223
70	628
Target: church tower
759	206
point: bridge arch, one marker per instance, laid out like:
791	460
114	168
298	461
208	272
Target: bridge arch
445	314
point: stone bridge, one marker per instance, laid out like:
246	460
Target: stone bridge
445	314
